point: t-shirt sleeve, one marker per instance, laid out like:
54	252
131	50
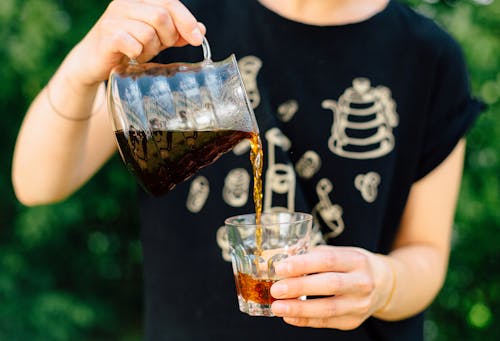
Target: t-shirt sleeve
452	109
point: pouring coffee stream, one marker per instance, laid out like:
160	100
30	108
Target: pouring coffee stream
171	120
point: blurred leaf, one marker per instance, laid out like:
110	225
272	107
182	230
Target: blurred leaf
479	316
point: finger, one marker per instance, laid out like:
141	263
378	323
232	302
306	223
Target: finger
321	284
121	41
157	17
318	307
314	308
320	259
341	323
184	21
146	35
202	28
182	42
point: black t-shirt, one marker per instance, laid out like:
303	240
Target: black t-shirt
350	117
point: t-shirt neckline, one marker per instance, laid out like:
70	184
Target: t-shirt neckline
368	21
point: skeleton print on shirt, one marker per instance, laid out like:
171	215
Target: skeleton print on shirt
198	194
236	187
280	177
367	184
287	110
308	165
242	148
223	242
363	119
330	214
249	67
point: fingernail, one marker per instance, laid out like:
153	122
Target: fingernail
202	26
279	308
278	289
197	36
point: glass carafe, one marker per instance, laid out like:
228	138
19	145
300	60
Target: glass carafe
171	120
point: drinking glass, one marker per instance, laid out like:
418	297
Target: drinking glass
256	248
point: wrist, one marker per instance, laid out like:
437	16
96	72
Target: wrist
74	77
66	84
74	71
387	285
78	69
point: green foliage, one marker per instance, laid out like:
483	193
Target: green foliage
72	271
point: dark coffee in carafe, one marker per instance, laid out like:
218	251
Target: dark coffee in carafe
161	159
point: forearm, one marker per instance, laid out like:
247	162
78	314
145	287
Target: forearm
421	248
49	154
419	272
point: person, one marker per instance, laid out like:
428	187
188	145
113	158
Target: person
362	106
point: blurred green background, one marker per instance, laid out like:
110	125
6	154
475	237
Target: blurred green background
72	271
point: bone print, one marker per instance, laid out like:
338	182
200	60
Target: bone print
287	110
242	148
308	165
223	243
367	184
330	214
280	177
198	194
236	187
249	67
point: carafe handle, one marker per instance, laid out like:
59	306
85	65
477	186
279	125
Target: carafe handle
207	53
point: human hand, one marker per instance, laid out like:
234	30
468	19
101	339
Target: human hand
352	284
137	29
